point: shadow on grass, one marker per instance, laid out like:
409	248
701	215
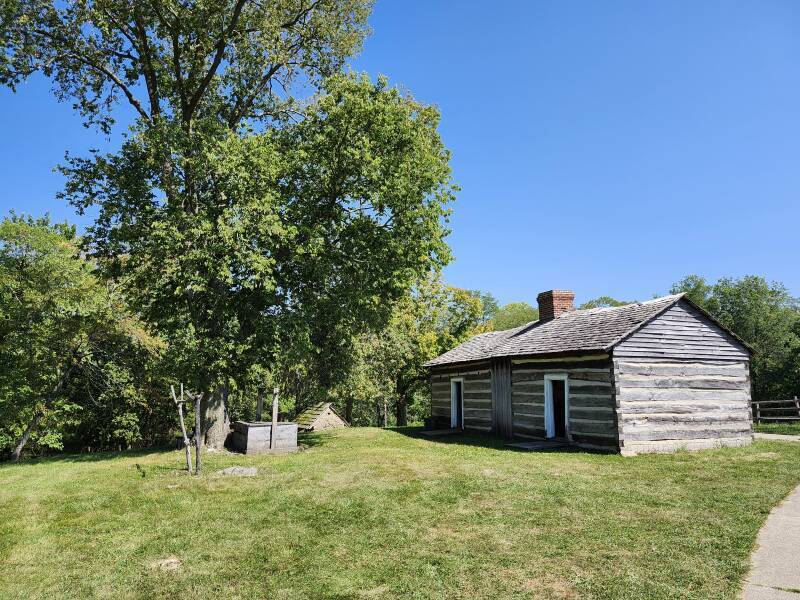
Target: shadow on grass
480	440
311	439
87	456
306	440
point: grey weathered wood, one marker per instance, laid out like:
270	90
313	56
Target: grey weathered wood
667	367
646	395
186	443
587	426
260	438
591	406
682	332
704	383
685	434
679	375
787	403
677	408
274	428
776	410
501	398
681	397
476	393
198	434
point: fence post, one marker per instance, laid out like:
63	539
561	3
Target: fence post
797	406
758	413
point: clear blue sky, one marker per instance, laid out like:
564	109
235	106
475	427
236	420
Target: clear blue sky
606	147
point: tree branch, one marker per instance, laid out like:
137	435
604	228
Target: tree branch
150	78
220	52
103	69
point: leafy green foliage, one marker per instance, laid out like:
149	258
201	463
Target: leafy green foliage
62	333
253	230
765	316
513	315
489	305
426	322
297	239
603	302
230	61
214	230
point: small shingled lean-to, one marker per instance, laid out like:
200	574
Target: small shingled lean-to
652	376
320	416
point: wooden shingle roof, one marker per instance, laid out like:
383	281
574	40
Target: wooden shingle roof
593	330
308	417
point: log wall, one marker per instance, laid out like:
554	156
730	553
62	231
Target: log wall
682	382
665	405
592	415
477	395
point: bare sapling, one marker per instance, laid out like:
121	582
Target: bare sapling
198	434
186	443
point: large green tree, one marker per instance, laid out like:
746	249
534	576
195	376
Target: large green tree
429	320
513	314
603	302
61	327
763	314
241	219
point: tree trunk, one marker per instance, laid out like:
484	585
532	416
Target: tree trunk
26	435
401	412
260	405
348	410
217	423
37	417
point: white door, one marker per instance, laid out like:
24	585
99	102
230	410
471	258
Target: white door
457	403
556	405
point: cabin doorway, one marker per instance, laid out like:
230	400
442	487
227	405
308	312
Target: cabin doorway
556	406
457	403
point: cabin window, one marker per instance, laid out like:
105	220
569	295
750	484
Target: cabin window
457	403
556	405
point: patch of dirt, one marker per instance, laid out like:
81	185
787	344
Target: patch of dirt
377	592
171	563
555	586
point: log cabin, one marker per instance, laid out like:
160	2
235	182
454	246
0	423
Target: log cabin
653	376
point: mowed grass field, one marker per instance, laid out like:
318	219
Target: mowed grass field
386	514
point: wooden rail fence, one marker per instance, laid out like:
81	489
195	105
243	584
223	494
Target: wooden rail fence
776	410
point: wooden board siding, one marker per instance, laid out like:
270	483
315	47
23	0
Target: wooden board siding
664	405
592	415
682	332
503	422
477	395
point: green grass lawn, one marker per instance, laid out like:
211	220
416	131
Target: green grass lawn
790	428
385	514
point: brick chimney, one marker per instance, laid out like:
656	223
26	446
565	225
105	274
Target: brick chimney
554	303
